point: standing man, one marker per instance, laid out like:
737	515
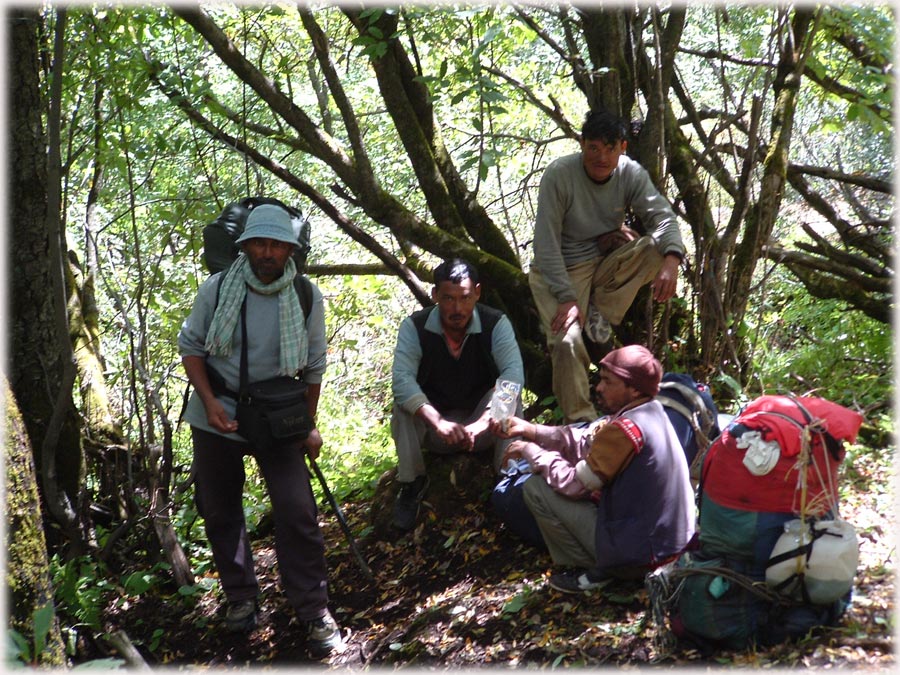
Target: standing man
280	341
623	505
587	266
446	362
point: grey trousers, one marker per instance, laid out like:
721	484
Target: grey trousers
411	434
299	545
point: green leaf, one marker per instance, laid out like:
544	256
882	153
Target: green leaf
137	582
515	604
20	645
371	14
459	97
43	619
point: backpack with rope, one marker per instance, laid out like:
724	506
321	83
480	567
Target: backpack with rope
774	559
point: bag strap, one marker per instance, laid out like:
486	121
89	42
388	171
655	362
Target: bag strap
804	550
699	418
692	395
828	440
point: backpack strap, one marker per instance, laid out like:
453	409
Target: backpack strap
700	418
829	441
804	550
303	287
692	395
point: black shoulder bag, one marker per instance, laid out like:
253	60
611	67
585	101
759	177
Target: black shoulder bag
273	412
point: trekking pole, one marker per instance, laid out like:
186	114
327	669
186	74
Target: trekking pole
340	516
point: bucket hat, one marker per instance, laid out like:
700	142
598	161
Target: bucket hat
268	221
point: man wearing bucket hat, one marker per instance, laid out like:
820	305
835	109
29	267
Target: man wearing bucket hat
619	502
280	342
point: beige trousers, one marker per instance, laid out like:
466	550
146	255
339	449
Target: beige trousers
610	284
411	434
568	525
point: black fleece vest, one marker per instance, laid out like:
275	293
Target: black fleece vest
457	384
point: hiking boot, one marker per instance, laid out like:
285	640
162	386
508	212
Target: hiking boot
573	582
241	616
324	636
597	327
406	508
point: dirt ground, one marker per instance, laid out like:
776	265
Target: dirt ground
463	592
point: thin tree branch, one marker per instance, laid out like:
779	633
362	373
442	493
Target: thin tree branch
320	48
867	182
321	145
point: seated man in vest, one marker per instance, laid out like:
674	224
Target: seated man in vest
446	362
623	505
691	411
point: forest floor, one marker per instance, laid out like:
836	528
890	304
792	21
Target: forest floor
466	593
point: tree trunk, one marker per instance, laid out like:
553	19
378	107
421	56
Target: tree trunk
609	82
84	331
42	366
761	217
27	565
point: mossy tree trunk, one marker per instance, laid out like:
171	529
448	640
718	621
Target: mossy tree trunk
28	583
84	319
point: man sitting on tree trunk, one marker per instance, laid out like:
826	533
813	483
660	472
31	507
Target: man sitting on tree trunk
446	362
626	506
588	266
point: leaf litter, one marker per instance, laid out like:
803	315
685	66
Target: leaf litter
466	593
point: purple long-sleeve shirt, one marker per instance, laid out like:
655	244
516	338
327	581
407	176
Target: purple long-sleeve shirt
554	453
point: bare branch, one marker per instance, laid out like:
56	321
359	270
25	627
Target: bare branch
362	269
555	112
868	182
320	47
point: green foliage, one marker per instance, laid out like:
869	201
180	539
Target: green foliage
20	649
363	316
82	590
807	345
139	582
866	30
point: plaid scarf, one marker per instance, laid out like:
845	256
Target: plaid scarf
294	347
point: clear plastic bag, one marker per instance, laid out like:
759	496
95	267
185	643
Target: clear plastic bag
505	401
